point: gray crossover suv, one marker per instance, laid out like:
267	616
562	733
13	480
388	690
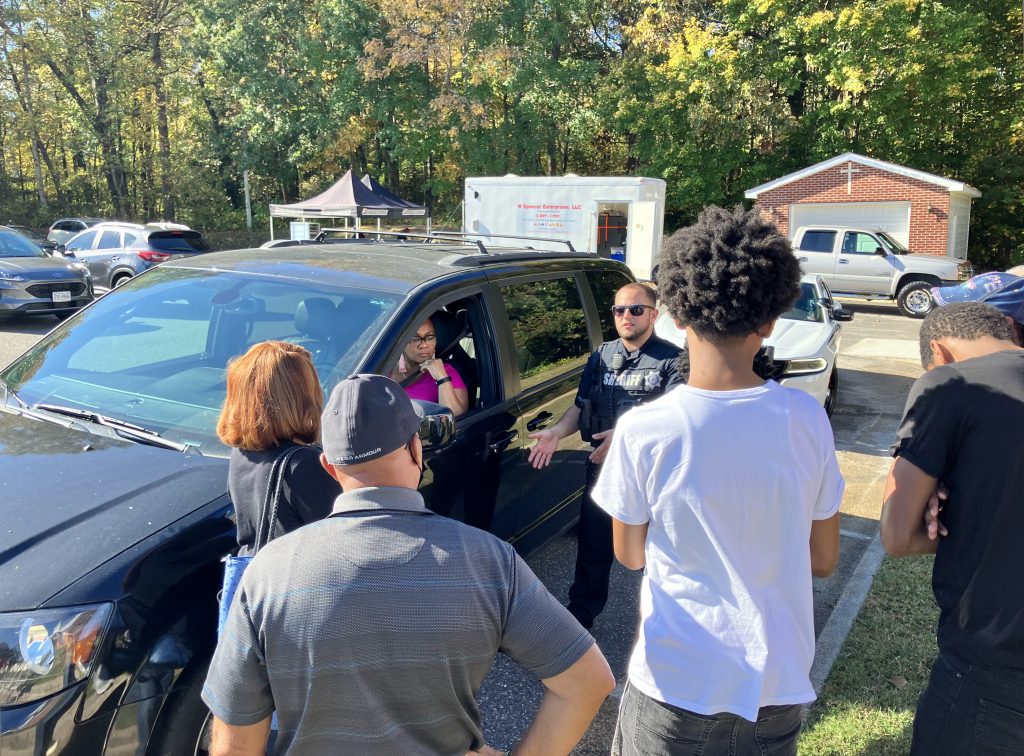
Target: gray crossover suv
33	283
115	252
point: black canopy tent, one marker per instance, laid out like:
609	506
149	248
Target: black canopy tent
350	198
382	191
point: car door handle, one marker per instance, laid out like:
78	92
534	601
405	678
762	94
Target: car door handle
844	262
502	441
540	421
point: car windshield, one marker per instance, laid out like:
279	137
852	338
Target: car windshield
154	352
16	245
893	244
807	307
28	233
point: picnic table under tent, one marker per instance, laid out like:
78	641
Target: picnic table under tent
350	198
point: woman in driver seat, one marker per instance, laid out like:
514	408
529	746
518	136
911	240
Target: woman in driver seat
438	381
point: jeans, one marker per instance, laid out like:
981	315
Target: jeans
594	555
967	710
648	727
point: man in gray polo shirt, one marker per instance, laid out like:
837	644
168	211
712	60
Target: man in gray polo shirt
371	631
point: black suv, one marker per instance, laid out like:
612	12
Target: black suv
115	507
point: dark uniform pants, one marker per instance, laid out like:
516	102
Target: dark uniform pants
589	591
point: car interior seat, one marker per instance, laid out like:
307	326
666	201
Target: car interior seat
231	326
450	328
315	321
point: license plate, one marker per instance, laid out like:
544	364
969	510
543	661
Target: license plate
62	296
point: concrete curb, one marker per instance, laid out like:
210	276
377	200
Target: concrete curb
833	635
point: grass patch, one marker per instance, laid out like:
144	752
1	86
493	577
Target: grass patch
867	704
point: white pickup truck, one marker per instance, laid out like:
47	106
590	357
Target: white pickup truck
857	262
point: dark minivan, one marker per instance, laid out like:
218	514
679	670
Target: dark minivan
114	484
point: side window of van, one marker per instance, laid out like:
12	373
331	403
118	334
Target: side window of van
549	328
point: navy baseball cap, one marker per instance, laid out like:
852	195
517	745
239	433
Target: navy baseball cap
1003	291
367	416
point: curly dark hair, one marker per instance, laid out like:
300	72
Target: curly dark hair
962	320
728	274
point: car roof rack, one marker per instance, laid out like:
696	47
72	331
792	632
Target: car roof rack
566	242
456	236
405	235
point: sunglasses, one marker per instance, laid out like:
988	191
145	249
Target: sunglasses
416	340
635	310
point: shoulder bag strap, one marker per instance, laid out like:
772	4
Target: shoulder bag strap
268	514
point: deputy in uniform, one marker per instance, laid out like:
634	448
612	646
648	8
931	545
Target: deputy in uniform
620	374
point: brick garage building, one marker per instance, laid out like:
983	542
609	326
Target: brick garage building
928	213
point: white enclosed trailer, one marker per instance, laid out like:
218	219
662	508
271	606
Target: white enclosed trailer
615	216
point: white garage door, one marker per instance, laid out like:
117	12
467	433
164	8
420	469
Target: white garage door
893	217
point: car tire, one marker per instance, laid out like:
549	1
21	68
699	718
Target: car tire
119	279
915	299
833	392
185	724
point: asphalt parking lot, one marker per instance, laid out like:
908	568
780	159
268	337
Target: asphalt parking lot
878	362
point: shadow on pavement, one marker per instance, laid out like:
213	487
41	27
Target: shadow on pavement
38	324
868	410
874	308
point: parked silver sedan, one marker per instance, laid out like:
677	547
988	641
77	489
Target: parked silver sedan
116	252
33	283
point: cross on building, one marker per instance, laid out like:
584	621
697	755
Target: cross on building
849	170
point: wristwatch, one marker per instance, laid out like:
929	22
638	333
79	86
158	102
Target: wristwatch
442	381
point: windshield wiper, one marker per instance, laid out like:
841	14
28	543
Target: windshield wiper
122	428
8	392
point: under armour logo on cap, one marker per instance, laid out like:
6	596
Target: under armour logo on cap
367	416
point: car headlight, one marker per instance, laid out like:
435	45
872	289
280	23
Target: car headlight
965	271
8	276
45	651
805	367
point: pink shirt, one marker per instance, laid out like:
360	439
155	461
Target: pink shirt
425	387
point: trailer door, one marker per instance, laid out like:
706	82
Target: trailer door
642	229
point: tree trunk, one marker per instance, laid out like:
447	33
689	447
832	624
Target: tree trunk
163	136
225	164
22	89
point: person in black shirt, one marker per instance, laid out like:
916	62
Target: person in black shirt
962	431
273	406
619	375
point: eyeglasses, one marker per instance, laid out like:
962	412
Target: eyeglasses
635	310
416	340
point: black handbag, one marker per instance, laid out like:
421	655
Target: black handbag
234	566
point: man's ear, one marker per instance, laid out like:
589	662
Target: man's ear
416	450
941	355
326	465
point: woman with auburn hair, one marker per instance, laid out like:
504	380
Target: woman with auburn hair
272	408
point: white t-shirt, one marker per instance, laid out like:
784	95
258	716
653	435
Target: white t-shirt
729	482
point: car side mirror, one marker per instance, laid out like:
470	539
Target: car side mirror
437	427
841	314
880	251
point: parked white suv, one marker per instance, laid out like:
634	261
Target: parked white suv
857	262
